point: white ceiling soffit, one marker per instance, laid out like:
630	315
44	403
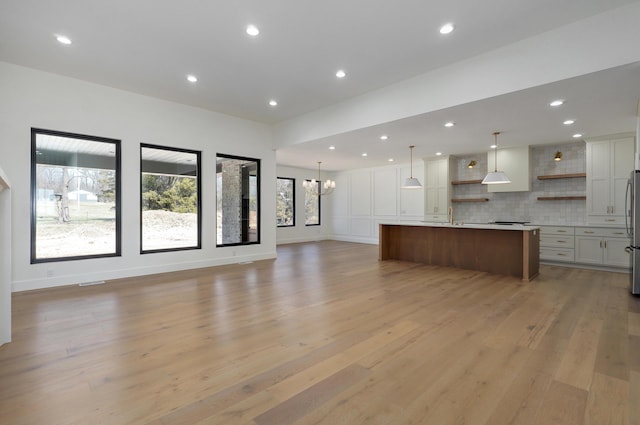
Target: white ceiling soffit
600	103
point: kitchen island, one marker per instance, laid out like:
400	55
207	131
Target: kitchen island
512	250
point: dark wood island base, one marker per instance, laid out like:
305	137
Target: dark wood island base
513	251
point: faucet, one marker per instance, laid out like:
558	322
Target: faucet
450	215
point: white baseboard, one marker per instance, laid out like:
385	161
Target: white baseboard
301	240
357	239
75	279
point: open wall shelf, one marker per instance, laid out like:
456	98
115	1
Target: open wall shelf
562	176
457	200
457	182
562	198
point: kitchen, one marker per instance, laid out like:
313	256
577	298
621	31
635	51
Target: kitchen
562	193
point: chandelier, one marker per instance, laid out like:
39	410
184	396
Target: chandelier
314	186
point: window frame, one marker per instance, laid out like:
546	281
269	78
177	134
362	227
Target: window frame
198	191
258	199
33	209
293	201
319	223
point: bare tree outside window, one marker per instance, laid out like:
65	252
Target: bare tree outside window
285	202
312	205
75	196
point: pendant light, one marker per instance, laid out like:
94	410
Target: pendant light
314	185
496	177
411	182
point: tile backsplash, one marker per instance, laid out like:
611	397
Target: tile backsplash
524	206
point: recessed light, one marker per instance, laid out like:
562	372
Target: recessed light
364	154
384	137
568	122
390	159
556	102
341	74
192	78
273	102
449	124
577	136
446	28
438	153
493	146
332	147
252	30
63	39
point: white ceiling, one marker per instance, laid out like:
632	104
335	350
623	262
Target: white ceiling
149	46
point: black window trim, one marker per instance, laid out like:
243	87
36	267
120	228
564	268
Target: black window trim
293	200
33	210
199	193
258	189
319	223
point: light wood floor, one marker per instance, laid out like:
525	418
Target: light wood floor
326	334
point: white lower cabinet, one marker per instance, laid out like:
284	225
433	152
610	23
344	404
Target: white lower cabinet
589	250
557	243
602	246
615	253
596	246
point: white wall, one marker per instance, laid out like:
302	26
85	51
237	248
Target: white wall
32	98
5	259
372	196
300	232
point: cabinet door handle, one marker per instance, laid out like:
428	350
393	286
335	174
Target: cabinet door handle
600	244
562	231
561	241
605	244
618	233
610	219
588	232
561	254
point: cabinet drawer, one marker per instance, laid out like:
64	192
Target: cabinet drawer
606	219
556	230
557	254
602	232
557	241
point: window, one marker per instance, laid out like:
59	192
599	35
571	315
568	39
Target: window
237	200
170	215
312	204
75	196
285	202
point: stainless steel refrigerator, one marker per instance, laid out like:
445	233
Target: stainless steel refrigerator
632	220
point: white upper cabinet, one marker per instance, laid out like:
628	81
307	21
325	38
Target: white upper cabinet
516	164
436	189
609	164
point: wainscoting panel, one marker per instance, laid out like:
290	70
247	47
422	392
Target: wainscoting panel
361	227
385	195
361	193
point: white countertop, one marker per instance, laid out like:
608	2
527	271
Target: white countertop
518	227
